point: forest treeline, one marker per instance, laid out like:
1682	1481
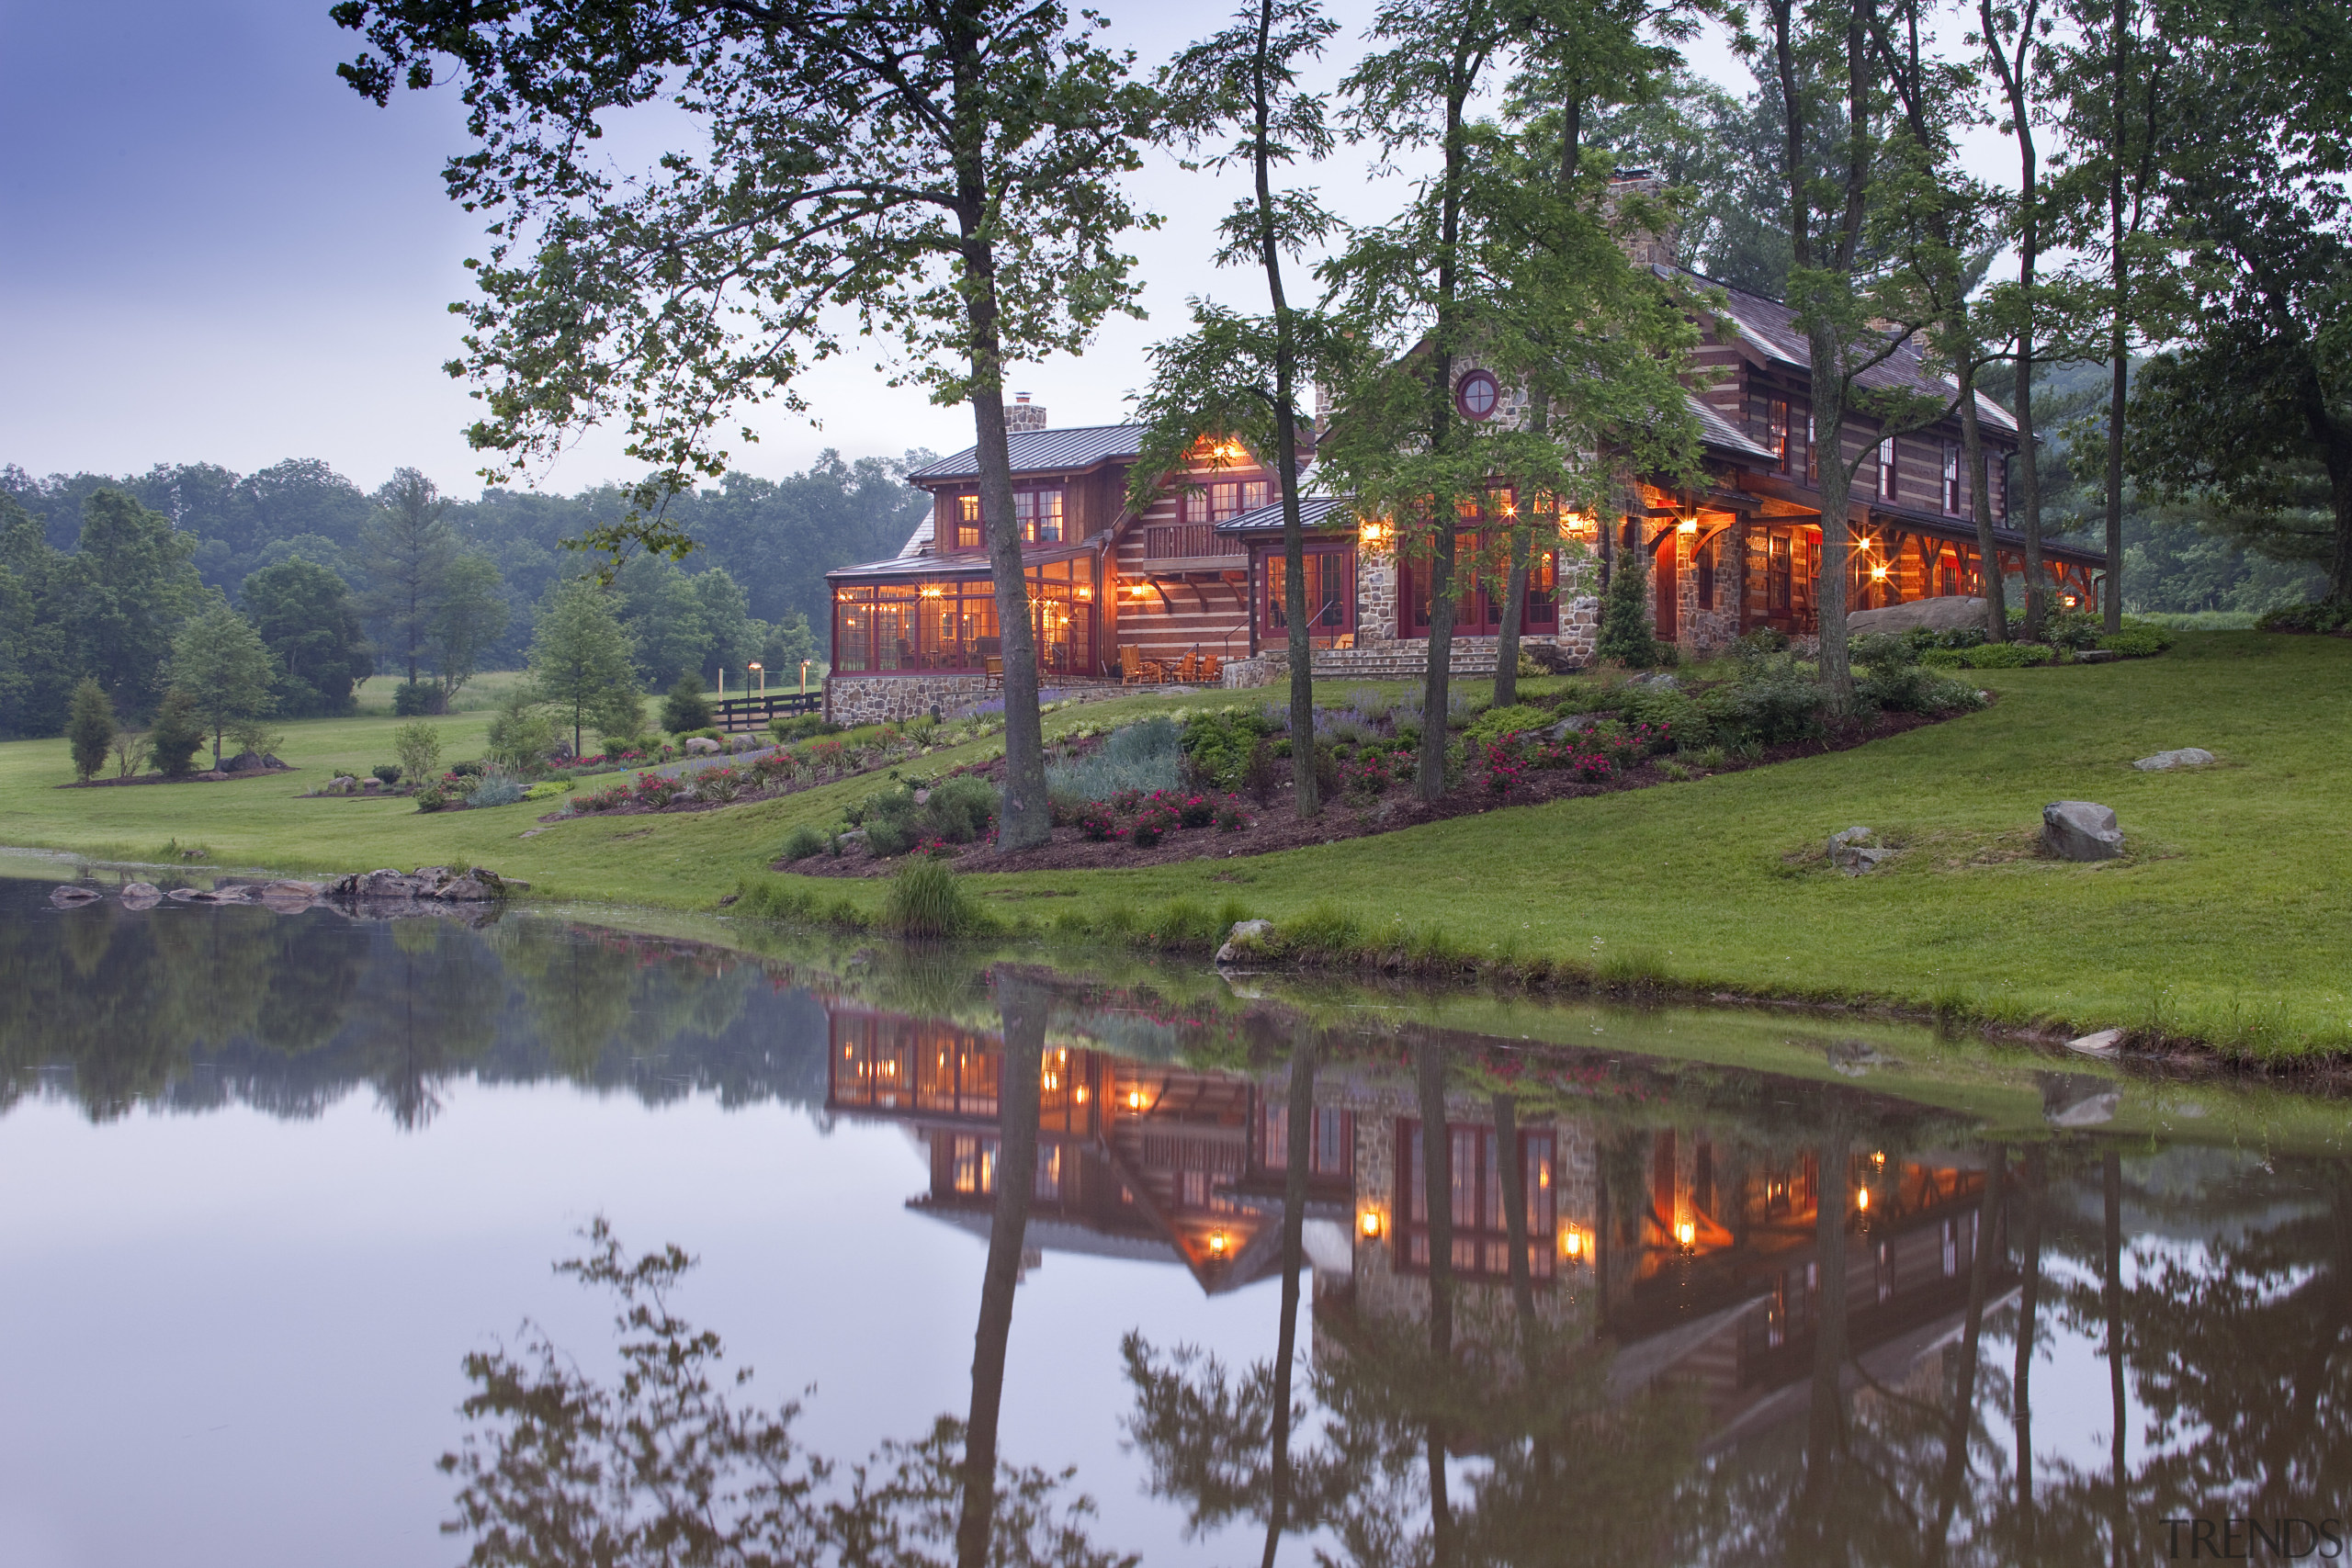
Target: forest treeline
101	574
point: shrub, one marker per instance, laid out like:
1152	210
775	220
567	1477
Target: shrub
961	810
1625	637
718	785
1155	820
801	726
1943	659
177	735
1883	651
431	798
1230	816
1217	747
91	728
1495	723
2007	656
1774	702
686	707
887	836
419	746
411	698
1143	757
802	843
2072	629
1916	688
1097	821
1672	712
926	900
497	791
1196	811
2138	639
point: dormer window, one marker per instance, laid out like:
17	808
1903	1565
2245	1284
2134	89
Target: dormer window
1477	396
1039	513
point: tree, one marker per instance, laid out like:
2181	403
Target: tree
90	729
789	643
521	734
580	654
944	174
470	617
418	746
407	548
1236	374
1625	636
686	708
2254	409
305	617
176	736
123	596
222	663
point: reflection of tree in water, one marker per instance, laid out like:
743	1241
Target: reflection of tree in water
661	1465
196	1009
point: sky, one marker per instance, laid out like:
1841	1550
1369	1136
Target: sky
212	250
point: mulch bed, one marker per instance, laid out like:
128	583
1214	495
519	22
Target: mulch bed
1275	828
207	777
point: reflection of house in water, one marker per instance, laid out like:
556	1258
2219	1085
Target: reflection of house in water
1692	1249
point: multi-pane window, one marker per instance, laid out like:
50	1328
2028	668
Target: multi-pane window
1331	602
1886	469
1776	431
1951	477
968	522
1223	499
972	1167
1330	1147
1039	513
1476	1168
1812	452
1778	573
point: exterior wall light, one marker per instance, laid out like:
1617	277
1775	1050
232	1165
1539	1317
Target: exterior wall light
1369	1223
1862	1199
1217	1243
1685	1233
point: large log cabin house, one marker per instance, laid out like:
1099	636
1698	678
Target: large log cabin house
1191	585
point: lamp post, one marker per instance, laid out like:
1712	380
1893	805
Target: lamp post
763	674
804	677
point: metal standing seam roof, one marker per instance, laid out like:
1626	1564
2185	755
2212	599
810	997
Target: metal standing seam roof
1772	327
1312	511
1043	451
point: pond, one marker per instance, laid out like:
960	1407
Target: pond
288	1192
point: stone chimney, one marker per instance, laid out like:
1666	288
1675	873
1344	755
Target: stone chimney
1022	414
1645	246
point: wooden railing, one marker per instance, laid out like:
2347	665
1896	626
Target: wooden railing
753	713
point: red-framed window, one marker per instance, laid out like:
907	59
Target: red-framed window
1812	451
1221	499
1330	576
1478	608
1039	513
1776	431
1476	1168
968	522
1886	470
1331	1140
1477	397
896	628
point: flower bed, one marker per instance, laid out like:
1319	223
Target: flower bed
823	759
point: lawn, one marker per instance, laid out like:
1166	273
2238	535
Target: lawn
2231	920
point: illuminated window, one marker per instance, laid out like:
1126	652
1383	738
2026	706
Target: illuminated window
1951	477
1886	470
1475	1171
967	523
1039	513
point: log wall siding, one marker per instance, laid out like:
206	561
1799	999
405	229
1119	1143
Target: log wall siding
1210	616
1919	457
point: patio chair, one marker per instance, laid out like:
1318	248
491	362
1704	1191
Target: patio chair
994	669
1130	665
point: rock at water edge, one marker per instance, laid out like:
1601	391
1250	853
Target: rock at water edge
1244	941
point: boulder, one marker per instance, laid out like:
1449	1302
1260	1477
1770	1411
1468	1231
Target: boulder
2081	829
71	895
1660	680
702	745
2107	1043
1856	852
372	786
472	884
341	784
1244	941
212	776
140	894
246	762
2095	656
1952	613
1575	724
2164	762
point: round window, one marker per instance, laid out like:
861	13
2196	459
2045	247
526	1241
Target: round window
1478	395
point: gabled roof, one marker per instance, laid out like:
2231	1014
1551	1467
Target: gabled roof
1769	327
1043	452
1716	430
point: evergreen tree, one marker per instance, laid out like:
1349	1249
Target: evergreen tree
580	655
686	708
222	663
178	733
1625	636
90	728
408	546
123	596
470	617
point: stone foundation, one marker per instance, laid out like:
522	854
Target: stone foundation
1405	659
872	699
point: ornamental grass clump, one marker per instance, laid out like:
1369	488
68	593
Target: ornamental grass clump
927	900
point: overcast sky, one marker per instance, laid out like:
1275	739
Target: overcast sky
210	249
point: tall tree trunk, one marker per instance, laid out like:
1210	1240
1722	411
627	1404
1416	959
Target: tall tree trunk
1989	581
1305	793
1430	777
2118	1486
1826	1411
1837	506
1514	606
2029	1332
1300	1111
1024	819
2015	86
1022	1006
1437	1198
1961	1424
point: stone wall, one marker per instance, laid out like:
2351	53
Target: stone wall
1402	658
871	699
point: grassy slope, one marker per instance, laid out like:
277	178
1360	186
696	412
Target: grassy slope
2231	919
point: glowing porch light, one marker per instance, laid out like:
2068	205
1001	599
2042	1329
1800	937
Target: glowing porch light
1878	1158
1572	1243
1217	1244
1878	572
1688	525
931	591
1862	1199
1369	1223
1134	1100
1685	1233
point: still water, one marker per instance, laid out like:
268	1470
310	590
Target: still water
286	1195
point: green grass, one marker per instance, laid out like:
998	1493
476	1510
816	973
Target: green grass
2230	922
